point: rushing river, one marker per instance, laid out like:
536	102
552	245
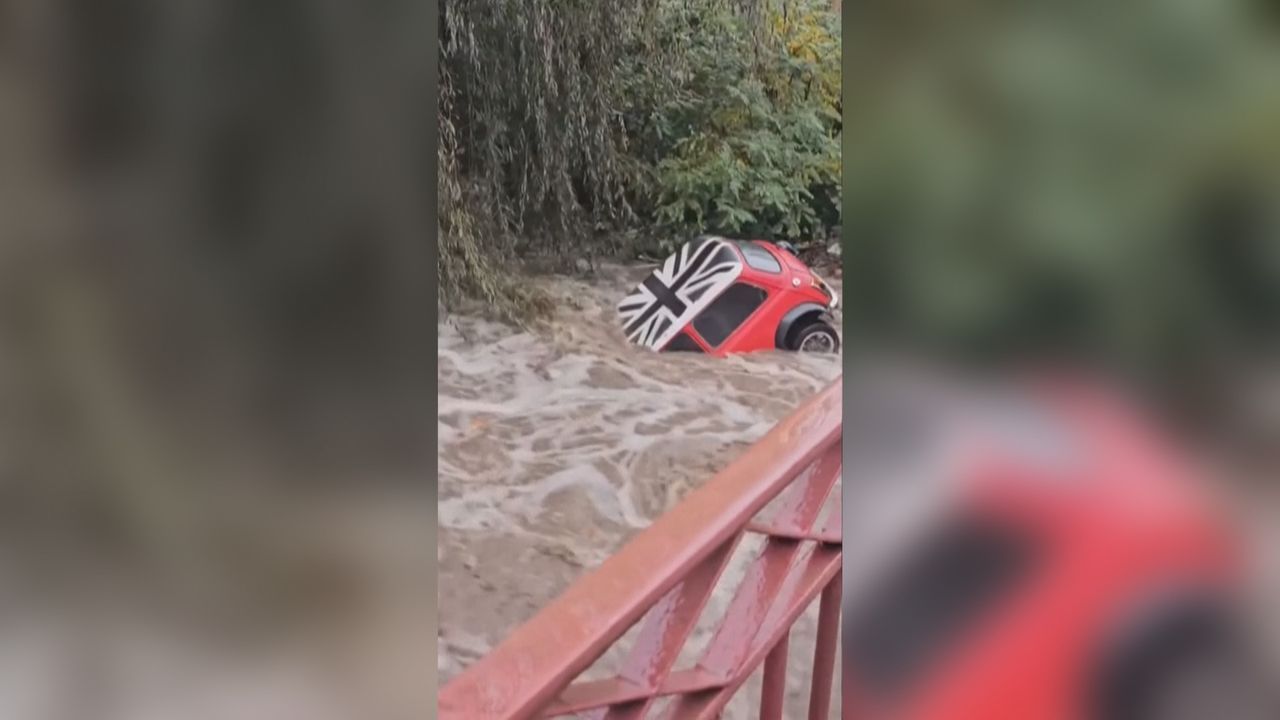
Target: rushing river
557	445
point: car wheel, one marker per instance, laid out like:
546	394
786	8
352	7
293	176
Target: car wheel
1209	686
816	337
1196	669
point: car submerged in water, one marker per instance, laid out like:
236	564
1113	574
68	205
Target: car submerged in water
721	297
1034	549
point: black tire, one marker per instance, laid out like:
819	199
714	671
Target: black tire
817	336
1197	667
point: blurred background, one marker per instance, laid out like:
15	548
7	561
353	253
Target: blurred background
215	275
1087	184
1067	180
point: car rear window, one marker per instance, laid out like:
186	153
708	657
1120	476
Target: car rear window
727	312
947	586
759	258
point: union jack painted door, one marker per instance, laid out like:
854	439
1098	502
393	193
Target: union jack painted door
681	288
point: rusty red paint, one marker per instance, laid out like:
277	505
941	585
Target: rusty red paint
821	566
773	689
830	528
667	627
824	650
665	576
615	692
764	578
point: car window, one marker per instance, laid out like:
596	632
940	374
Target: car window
727	312
683	343
759	258
941	592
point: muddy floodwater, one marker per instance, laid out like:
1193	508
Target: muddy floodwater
559	444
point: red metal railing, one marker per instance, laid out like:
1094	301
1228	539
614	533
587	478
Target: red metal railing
664	578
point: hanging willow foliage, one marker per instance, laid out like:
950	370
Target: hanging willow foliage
533	144
530	141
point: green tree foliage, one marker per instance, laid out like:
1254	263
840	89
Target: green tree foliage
568	126
1075	177
740	133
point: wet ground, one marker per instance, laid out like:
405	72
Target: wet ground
557	445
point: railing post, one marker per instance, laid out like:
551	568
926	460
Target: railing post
824	650
773	690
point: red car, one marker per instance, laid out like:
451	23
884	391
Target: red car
1031	555
720	297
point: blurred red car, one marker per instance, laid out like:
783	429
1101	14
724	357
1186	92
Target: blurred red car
720	297
1032	555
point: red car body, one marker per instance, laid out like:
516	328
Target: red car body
721	297
1063	545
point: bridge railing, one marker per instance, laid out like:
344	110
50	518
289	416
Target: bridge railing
663	579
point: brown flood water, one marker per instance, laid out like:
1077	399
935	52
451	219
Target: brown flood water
557	446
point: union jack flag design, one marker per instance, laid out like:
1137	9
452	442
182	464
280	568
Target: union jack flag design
676	292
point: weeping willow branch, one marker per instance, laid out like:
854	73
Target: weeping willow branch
533	155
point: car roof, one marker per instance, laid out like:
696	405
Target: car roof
679	289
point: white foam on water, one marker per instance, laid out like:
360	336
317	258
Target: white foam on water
557	445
